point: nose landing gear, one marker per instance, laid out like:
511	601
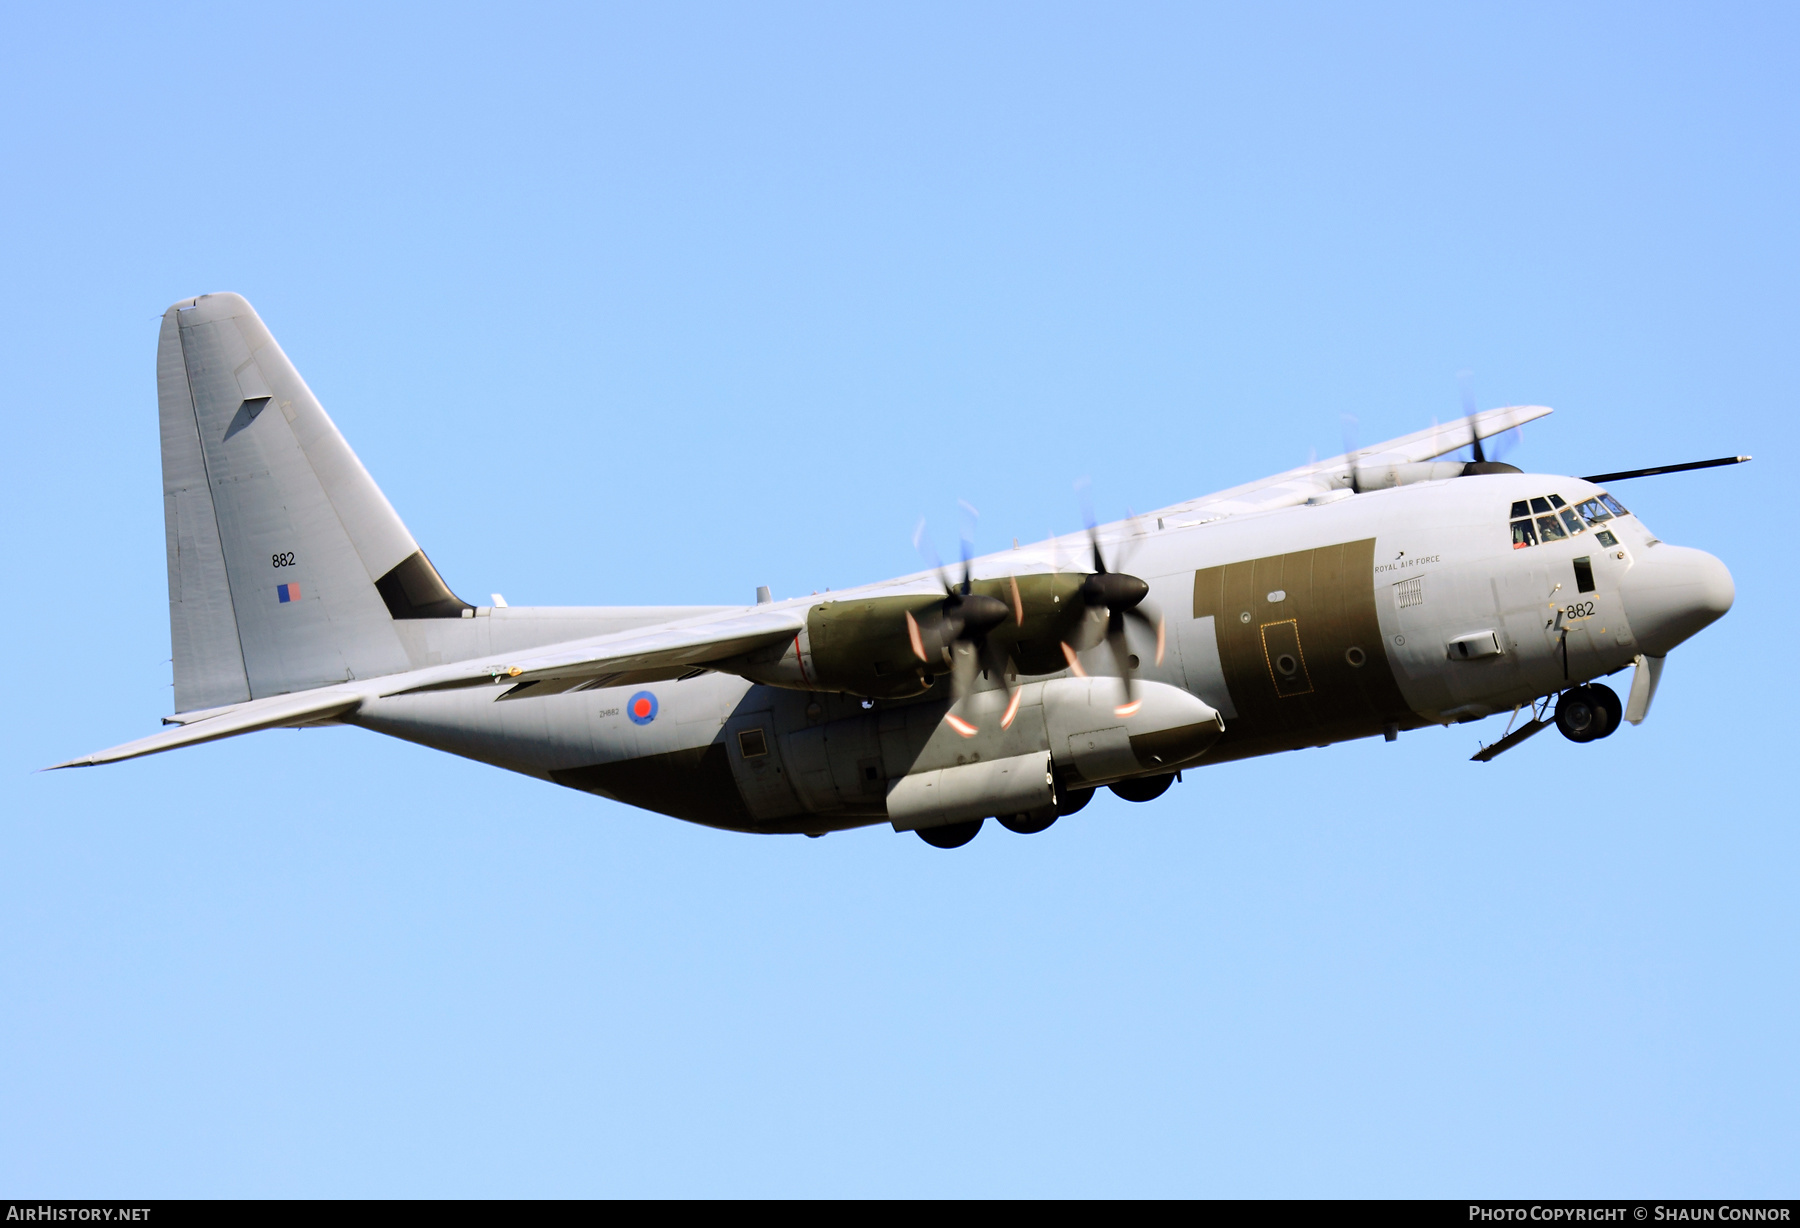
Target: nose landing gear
1588	713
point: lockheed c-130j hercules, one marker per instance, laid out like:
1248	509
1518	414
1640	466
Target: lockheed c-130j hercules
1361	596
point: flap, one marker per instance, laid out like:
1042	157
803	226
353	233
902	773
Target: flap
661	651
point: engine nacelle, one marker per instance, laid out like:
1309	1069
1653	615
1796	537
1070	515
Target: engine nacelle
1373	474
866	646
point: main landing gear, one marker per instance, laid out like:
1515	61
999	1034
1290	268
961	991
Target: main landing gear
1587	713
951	835
1144	788
1068	801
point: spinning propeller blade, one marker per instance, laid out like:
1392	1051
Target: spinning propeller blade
1120	596
956	634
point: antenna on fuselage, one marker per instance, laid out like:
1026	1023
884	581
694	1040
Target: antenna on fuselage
1652	472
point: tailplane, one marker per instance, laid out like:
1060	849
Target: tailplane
287	565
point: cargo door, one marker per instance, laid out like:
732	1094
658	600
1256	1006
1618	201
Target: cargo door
756	764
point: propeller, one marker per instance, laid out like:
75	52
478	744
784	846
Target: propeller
956	635
1121	597
1503	444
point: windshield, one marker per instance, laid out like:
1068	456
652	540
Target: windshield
1549	518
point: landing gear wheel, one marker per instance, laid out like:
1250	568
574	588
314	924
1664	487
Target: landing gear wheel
951	835
1610	707
1143	789
1580	715
1068	800
1031	823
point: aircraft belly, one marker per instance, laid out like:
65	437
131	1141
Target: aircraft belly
674	763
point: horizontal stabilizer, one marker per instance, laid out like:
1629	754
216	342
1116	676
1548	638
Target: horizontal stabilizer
277	712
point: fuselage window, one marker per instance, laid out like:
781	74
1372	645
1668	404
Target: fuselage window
1523	534
1584	574
1548	528
1605	538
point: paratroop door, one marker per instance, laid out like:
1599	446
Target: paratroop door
756	764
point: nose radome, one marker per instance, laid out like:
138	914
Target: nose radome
1671	592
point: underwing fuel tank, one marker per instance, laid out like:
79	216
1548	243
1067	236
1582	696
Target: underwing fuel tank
1091	737
1102	739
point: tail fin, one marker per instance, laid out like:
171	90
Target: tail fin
287	565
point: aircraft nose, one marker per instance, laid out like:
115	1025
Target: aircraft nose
1671	592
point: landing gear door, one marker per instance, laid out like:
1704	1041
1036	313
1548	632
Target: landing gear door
755	754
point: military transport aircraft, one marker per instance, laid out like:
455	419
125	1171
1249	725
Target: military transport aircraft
1376	592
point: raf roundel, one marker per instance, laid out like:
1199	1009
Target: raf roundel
641	708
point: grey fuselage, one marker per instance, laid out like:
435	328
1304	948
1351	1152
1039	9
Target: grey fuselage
1347	617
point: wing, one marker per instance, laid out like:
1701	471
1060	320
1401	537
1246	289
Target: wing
644	654
1299	485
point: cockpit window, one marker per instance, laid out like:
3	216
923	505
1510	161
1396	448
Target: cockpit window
1549	518
1612	503
1594	511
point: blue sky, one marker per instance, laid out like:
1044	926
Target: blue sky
660	303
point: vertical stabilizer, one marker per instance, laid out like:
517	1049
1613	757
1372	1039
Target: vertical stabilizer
287	565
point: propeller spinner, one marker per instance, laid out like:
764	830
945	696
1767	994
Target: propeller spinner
1121	596
955	634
